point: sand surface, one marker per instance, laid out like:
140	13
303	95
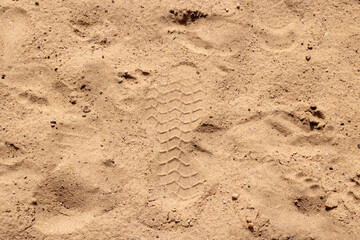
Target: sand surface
169	119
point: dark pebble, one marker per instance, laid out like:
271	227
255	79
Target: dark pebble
310	47
86	109
101	92
358	146
37	3
56	68
342	124
308	57
53	122
3	76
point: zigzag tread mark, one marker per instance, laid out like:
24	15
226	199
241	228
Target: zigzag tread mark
173	160
173	109
191	85
174	137
174	128
184	128
176	85
172	120
171	149
179	173
191	91
174	99
184	187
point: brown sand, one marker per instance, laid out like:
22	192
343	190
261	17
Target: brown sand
179	119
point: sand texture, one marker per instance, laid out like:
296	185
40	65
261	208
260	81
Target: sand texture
166	119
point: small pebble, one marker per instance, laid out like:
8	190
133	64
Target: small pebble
56	68
235	196
36	3
86	109
3	76
227	10
238	5
101	92
358	146
53	121
310	47
308	57
331	203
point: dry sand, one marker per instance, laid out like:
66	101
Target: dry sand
179	119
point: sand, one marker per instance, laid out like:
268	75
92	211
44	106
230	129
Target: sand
179	119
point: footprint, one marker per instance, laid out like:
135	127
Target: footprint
215	35
65	203
34	98
304	125
9	150
280	33
15	22
310	195
174	111
277	40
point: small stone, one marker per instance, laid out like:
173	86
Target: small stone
250	225
358	146
226	9
101	92
53	121
310	47
235	196
238	5
331	203
56	68
36	3
308	57
3	76
86	109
